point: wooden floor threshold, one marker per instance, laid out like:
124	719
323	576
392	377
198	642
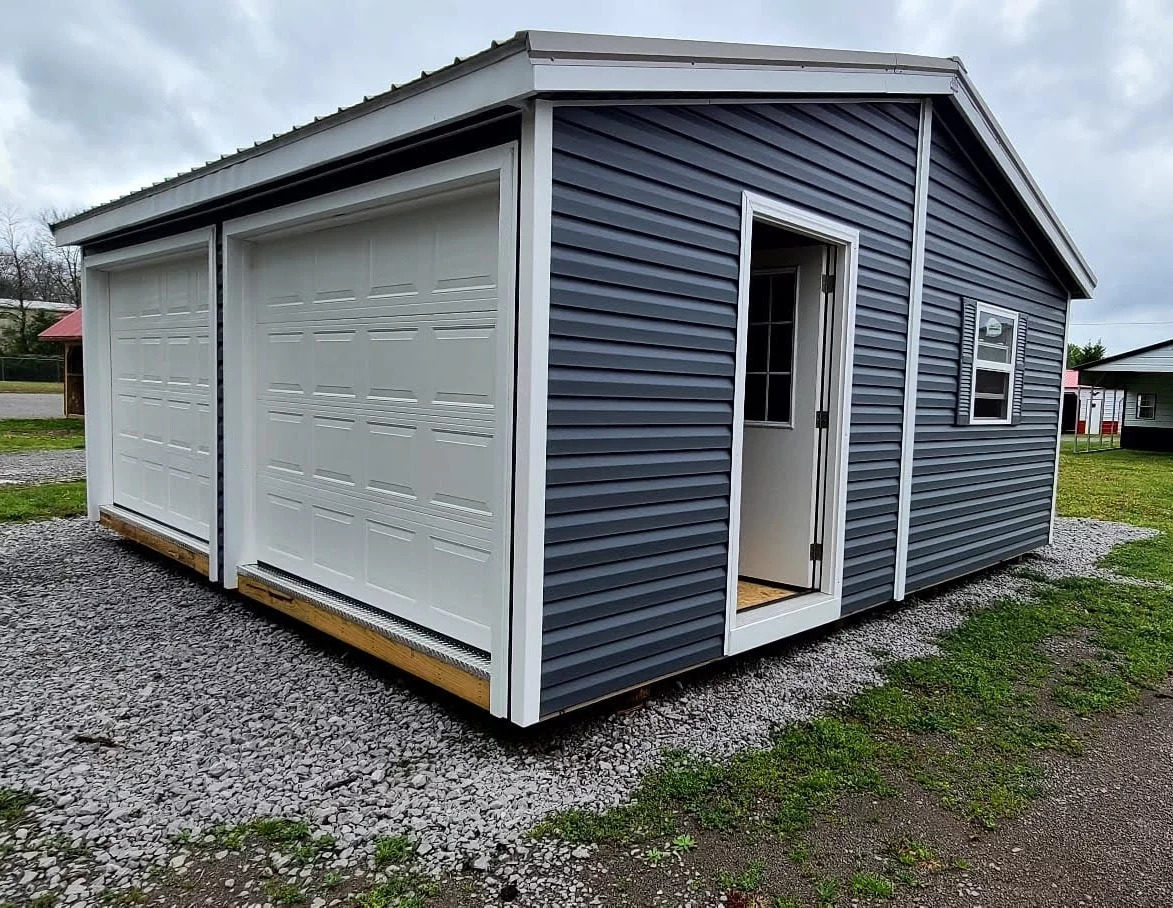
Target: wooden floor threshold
754	593
188	556
442	674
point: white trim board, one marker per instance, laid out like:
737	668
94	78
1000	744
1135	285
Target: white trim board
1059	423
98	366
912	348
755	627
494	165
533	374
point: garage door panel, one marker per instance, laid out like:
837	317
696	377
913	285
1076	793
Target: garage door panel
379	424
161	389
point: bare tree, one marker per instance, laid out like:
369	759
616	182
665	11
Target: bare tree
33	268
16	270
67	260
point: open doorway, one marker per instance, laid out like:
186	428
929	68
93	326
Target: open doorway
785	412
791	422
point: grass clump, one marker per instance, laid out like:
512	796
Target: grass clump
14	804
393	849
409	889
41	435
291	837
42	501
747	880
872	885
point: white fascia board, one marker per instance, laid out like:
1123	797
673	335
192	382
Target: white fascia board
498	83
717	79
981	121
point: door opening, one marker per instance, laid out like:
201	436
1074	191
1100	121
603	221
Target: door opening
786	416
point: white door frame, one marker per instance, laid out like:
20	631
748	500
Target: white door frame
755	627
368	200
98	370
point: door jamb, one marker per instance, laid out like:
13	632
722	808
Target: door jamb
763	625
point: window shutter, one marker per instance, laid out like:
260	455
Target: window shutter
1019	371
965	374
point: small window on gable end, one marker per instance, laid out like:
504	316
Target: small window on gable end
990	389
1146	405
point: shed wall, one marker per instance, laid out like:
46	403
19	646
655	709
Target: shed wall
644	267
1159	385
980	494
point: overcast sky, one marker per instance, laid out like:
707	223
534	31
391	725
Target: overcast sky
103	97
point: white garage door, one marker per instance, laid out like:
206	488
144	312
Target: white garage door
382	412
161	392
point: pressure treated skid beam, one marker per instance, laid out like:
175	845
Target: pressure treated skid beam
188	556
435	671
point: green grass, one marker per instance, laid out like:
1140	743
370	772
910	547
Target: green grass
281	892
32	387
292	837
393	849
1128	486
41	435
871	885
40	502
14	804
748	880
409	889
968	725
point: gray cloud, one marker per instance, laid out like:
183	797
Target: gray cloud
99	99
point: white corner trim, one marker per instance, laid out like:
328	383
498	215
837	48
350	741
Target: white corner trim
533	373
912	347
98	368
760	626
1059	422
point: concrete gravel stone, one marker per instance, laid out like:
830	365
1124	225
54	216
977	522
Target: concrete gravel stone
211	710
42	466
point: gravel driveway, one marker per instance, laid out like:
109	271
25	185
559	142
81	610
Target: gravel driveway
31	406
42	466
217	711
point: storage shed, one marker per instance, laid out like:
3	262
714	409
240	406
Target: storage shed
67	332
1145	375
587	360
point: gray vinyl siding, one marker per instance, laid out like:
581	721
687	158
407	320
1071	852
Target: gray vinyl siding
980	494
644	267
1162	387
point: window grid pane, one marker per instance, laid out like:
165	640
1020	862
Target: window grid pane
770	347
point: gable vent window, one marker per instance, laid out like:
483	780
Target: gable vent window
990	386
1146	406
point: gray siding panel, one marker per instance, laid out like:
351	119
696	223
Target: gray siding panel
980	494
646	222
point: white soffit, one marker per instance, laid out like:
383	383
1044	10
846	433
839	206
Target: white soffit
554	63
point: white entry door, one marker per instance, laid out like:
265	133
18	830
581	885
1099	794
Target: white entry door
780	451
383	409
161	387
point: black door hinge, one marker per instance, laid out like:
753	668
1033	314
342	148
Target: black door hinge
822	419
816	551
828	283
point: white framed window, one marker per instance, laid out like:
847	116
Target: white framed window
1146	405
994	356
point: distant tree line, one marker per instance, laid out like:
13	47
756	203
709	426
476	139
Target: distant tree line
33	267
1078	355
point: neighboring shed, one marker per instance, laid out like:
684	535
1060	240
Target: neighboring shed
67	332
588	360
1146	377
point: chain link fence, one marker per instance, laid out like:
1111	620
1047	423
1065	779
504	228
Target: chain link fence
32	368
